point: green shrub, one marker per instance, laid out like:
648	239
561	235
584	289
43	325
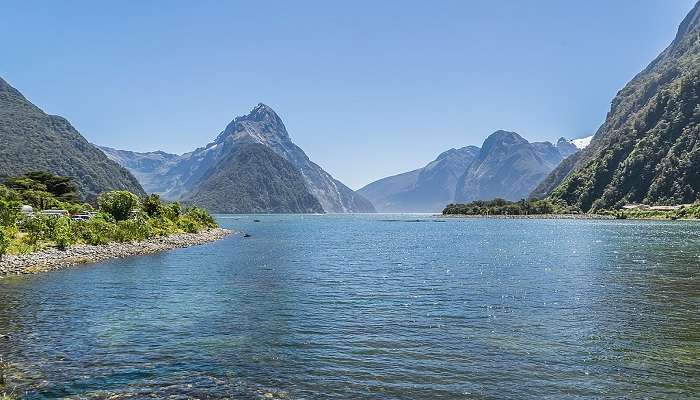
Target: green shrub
98	231
36	229
9	212
62	233
118	204
173	211
122	217
153	206
5	241
202	217
189	224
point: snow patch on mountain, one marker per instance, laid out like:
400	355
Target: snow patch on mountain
582	143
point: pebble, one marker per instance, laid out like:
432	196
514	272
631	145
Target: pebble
53	259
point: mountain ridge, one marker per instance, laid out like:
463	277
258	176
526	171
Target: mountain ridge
32	140
647	150
442	181
180	177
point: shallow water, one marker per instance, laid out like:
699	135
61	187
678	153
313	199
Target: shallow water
371	307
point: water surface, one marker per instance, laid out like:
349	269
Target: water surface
371	307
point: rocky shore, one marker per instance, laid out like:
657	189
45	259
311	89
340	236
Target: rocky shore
53	259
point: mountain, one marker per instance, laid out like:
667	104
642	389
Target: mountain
142	165
582	143
423	190
648	148
507	167
254	179
32	140
182	177
566	147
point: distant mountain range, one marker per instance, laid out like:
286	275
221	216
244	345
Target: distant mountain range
31	140
648	148
506	166
205	175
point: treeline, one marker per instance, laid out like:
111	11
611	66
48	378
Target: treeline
503	207
685	212
118	216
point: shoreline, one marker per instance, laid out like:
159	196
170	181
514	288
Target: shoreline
531	216
53	259
564	216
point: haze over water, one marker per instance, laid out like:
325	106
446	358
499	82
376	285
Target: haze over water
372	307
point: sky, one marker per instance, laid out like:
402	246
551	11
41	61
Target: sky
368	89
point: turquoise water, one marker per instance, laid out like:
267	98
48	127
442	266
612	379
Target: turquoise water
371	307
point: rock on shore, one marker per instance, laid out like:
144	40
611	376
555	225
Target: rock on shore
52	259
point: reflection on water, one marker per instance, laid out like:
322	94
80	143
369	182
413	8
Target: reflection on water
371	307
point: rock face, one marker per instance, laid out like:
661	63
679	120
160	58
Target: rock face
648	148
263	182
427	189
142	165
566	147
31	140
507	166
180	178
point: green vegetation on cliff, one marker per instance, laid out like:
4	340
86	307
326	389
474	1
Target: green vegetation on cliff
120	216
254	179
648	149
31	140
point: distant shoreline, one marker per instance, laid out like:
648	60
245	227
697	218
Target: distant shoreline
54	259
563	216
531	216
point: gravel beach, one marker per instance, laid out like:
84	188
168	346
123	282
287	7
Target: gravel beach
53	259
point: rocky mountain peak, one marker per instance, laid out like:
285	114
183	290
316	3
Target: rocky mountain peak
499	139
262	123
691	22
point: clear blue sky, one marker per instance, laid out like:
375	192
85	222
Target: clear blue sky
367	89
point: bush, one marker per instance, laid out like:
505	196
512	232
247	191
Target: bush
5	241
36	229
153	206
134	229
189	224
62	233
122	217
98	230
118	204
201	216
9	212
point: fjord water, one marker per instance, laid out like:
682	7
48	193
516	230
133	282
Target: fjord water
371	307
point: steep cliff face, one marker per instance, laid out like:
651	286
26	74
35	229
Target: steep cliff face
262	125
648	148
182	176
31	140
507	167
254	179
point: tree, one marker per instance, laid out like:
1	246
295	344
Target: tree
118	204
60	187
9	212
153	206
